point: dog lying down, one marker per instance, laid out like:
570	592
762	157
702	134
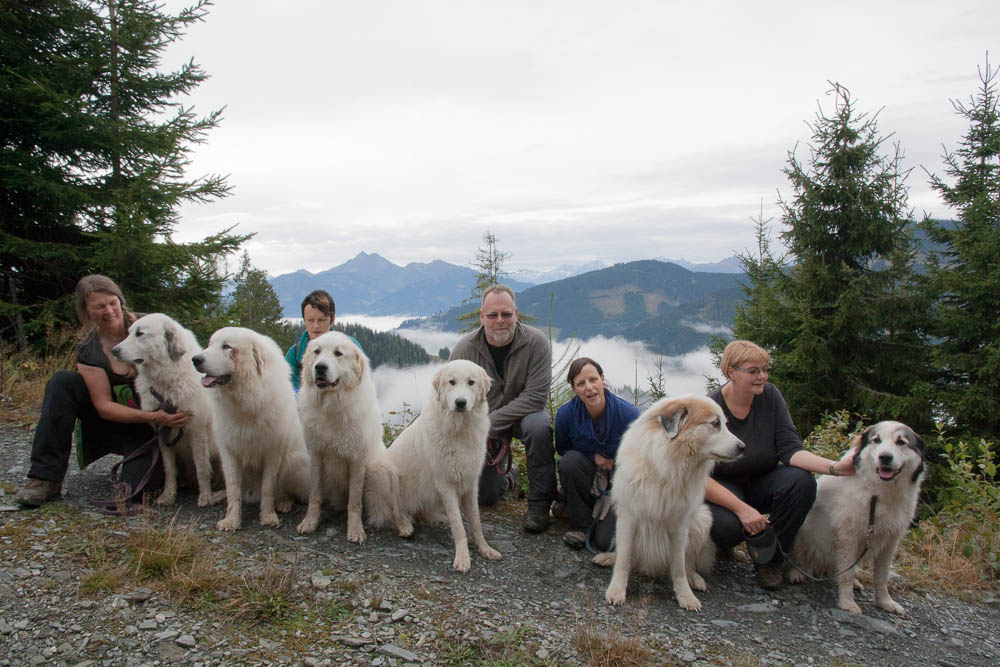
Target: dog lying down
161	351
440	456
889	463
256	424
343	428
662	522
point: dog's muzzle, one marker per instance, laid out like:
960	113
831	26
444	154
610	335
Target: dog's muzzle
117	353
460	404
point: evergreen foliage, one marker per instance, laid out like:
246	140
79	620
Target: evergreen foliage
489	262
964	274
842	317
254	305
385	348
93	148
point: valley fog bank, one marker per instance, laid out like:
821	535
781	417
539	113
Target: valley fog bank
625	363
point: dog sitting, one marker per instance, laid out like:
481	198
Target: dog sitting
658	494
161	350
343	428
889	464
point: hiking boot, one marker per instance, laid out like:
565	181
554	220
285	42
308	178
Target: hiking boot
770	577
575	539
37	492
537	520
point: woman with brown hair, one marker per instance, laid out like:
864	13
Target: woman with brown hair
100	394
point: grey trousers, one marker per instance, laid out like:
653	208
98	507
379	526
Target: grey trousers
535	432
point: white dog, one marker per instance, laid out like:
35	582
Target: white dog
440	456
889	460
343	428
659	490
161	350
256	424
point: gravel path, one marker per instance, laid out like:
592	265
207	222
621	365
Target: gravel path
392	601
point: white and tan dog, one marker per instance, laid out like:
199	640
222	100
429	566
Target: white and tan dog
343	428
256	424
659	490
440	456
889	464
161	350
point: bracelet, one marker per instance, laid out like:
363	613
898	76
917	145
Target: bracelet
832	471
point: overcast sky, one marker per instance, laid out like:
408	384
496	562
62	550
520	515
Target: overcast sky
573	130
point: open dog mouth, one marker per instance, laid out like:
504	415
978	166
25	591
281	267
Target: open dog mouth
215	380
323	383
887	474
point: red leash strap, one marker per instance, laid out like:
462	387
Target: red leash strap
498	449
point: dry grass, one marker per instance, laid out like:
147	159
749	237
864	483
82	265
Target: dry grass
23	375
610	646
263	597
954	558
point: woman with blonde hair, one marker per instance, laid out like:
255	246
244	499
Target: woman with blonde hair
775	474
100	394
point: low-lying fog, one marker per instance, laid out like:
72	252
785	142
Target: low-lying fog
623	362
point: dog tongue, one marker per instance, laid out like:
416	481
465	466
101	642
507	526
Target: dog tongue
886	473
207	381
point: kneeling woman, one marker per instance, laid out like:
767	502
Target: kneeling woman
100	394
589	428
774	475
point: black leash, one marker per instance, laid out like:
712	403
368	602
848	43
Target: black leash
868	541
124	506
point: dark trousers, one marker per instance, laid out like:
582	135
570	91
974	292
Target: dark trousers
787	493
66	400
535	433
576	472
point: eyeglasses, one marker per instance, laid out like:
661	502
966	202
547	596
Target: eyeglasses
753	371
504	315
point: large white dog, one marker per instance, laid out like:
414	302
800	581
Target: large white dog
161	350
343	428
440	456
659	489
256	424
889	460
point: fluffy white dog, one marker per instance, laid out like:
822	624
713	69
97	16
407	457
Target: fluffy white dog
440	456
256	424
161	350
889	460
343	429
662	521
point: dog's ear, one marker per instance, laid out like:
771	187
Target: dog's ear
258	359
436	381
358	364
917	443
673	421
484	385
175	348
860	442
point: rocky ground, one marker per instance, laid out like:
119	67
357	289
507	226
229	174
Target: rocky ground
392	601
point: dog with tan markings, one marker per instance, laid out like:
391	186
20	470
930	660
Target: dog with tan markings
662	522
161	351
889	460
256	424
343	428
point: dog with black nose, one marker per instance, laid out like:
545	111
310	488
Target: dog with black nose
889	460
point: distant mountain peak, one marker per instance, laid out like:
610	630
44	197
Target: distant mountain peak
367	263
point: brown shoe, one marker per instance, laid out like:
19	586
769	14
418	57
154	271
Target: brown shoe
537	520
770	577
37	492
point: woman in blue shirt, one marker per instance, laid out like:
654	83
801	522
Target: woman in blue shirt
589	428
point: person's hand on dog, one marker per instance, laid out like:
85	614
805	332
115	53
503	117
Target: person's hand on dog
844	467
176	420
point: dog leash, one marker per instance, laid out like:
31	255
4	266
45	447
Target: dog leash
602	507
868	540
501	447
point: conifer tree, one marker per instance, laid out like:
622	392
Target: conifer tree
94	144
838	312
964	275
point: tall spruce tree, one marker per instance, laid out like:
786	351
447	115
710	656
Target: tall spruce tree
489	261
94	143
254	304
839	311
964	275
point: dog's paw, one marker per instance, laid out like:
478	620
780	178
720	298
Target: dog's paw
849	605
606	559
697	582
284	505
166	498
615	594
307	525
228	525
404	528
462	562
795	577
269	519
207	498
891	605
356	534
489	552
689	602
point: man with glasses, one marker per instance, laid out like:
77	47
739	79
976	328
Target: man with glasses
519	362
